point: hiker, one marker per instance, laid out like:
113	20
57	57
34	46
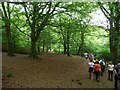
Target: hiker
104	61
110	68
102	64
90	56
97	70
86	55
91	69
95	59
117	75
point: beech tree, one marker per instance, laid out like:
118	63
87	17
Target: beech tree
6	19
37	16
112	13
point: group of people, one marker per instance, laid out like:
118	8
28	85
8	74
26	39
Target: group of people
89	56
98	67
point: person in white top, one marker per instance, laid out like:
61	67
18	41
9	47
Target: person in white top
110	71
91	69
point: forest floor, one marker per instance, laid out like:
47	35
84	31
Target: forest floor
51	70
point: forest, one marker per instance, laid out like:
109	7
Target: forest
32	28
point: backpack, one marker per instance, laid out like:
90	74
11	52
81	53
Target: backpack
101	63
118	70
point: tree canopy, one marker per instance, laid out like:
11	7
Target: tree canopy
62	27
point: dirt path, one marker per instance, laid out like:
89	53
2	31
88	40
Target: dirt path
49	71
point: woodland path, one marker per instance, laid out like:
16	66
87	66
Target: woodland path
51	70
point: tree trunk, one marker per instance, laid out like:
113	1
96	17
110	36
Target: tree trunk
81	47
113	47
50	47
117	28
68	38
8	30
9	41
33	53
114	30
38	49
65	47
82	43
114	20
47	48
78	52
43	46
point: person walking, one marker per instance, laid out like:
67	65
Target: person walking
110	68
86	55
117	75
97	70
90	56
91	69
102	64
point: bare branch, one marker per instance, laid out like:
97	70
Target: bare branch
18	2
54	7
104	12
50	5
42	9
3	6
8	9
26	14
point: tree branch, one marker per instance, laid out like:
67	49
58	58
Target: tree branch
104	13
40	28
18	2
42	9
20	29
8	9
26	14
49	9
54	8
3	6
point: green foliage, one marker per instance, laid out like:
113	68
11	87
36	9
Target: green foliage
107	56
69	19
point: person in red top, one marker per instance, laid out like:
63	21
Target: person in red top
97	70
90	56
